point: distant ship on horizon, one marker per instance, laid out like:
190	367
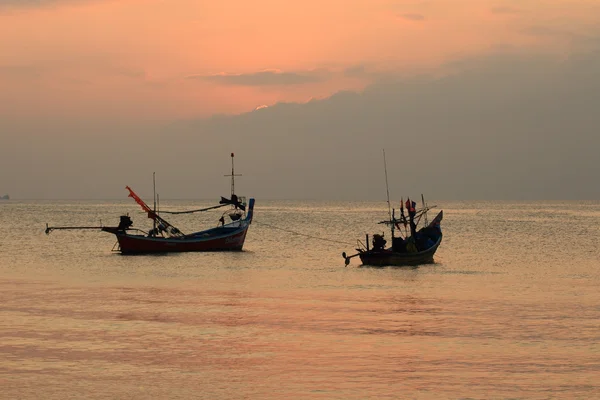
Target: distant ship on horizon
5	197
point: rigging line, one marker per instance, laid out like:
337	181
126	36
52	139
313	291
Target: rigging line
301	234
193	211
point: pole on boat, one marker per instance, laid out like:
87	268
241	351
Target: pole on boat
387	188
403	217
51	228
154	187
424	209
233	175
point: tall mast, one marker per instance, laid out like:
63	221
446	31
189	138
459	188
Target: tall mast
387	188
424	209
233	175
154	188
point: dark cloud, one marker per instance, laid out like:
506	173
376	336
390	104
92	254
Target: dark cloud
502	126
358	71
369	73
266	78
584	38
412	17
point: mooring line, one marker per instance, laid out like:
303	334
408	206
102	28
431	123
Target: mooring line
300	234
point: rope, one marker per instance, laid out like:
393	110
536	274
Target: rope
300	234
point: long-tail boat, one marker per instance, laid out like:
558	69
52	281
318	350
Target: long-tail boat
415	247
166	238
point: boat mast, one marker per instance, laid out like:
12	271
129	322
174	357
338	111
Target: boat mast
154	188
233	175
387	188
424	209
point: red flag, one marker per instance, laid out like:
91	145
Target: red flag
141	203
410	205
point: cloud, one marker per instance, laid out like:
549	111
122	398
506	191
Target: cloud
357	71
586	38
371	73
412	17
266	78
517	125
507	125
502	126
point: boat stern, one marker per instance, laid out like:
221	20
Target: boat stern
250	213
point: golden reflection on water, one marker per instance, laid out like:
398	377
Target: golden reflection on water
183	342
492	319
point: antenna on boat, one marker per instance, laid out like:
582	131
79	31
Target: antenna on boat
233	175
154	188
387	188
424	209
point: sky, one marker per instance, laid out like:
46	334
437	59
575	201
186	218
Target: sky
471	99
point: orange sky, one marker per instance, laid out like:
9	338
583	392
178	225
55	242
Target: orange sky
155	58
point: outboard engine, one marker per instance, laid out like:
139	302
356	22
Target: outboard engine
235	215
125	223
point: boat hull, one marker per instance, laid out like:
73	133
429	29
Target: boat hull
385	258
227	241
230	237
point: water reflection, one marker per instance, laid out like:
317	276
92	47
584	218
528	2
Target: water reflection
503	313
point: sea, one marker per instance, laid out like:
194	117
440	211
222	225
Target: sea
509	310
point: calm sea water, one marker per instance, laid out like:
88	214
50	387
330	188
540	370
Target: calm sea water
511	309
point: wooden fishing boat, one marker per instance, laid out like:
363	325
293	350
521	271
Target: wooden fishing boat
415	247
166	238
413	250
